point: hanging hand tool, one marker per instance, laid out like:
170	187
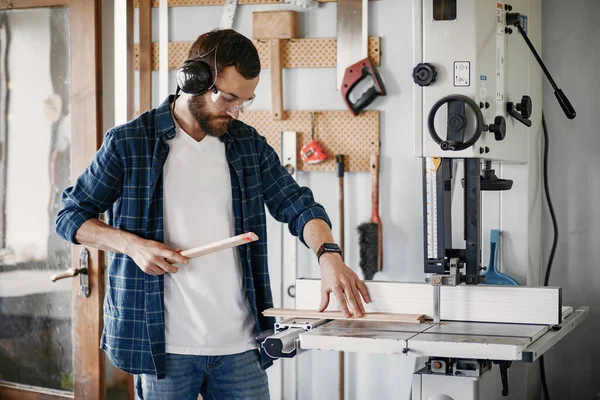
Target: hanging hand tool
228	14
357	78
275	26
339	159
362	84
370	233
311	152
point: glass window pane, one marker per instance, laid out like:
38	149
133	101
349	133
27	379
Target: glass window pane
36	345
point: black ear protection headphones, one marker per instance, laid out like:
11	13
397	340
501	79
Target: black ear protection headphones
195	77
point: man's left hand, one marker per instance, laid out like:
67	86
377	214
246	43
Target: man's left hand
339	279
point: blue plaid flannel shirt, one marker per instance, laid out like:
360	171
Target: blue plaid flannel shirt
124	180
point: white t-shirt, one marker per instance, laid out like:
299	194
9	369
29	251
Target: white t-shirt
206	309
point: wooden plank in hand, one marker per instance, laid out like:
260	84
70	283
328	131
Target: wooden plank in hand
238	240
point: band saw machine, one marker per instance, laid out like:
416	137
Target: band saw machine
478	98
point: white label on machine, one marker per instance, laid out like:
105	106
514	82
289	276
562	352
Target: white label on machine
462	73
500	52
482	87
500	19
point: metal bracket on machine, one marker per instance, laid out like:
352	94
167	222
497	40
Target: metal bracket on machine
285	342
439	280
468	368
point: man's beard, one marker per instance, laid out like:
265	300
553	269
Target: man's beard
212	125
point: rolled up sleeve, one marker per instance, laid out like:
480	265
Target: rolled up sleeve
287	201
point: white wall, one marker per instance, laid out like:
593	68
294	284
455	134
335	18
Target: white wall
571	35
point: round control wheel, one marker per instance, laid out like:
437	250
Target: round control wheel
456	122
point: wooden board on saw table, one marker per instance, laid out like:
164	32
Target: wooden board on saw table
370	316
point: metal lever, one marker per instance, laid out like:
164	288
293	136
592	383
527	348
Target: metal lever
515	20
512	110
71	272
82	271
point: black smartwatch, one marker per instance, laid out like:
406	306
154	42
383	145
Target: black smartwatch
328	248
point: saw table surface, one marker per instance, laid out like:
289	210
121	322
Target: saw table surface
476	340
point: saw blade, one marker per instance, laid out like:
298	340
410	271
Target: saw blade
352	35
228	14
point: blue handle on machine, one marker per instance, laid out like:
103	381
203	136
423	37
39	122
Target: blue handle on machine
492	275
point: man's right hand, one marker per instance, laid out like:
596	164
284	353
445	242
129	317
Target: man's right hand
154	258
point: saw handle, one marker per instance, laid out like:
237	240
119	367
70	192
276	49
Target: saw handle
353	76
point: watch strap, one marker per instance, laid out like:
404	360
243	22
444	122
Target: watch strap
328	248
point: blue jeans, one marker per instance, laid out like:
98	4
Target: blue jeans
236	376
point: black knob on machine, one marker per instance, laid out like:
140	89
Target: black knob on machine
424	74
498	127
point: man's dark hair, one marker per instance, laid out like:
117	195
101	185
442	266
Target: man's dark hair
233	49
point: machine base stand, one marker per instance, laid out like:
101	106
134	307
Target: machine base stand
427	385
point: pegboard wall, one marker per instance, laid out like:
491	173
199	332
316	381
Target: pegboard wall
338	132
295	53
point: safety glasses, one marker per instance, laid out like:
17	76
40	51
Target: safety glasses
229	101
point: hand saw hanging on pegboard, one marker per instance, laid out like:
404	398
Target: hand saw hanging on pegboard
357	78
228	14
